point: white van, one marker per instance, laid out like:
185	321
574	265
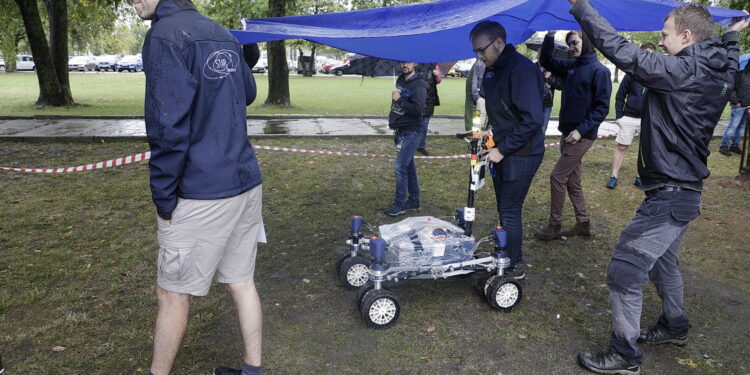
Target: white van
24	62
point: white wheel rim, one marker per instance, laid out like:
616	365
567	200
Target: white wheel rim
382	311
358	275
507	295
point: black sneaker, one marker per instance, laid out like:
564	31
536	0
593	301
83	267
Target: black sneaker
395	210
411	205
609	362
517	272
612	183
725	151
656	335
423	151
735	149
221	370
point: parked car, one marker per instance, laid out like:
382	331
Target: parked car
260	66
81	63
25	62
340	70
132	63
462	68
2	65
106	62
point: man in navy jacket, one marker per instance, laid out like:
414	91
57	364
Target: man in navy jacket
205	179
513	90
405	118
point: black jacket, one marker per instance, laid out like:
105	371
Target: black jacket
551	84
741	92
687	93
586	90
629	98
406	113
513	89
431	99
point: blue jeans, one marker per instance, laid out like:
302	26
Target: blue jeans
425	124
406	169
736	128
647	250
547	114
512	180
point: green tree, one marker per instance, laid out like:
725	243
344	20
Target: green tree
51	55
11	33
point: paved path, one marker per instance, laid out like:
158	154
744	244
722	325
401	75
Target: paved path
55	129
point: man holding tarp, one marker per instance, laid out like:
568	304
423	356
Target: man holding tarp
688	89
513	90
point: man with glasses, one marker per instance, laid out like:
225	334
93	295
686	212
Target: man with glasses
513	90
407	107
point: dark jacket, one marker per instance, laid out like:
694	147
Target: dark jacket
586	90
406	113
741	92
629	98
687	94
513	90
197	87
432	99
551	84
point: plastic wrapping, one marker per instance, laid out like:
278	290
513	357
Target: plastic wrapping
425	241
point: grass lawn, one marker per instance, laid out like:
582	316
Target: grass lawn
78	258
122	94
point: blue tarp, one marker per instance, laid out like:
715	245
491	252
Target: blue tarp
439	30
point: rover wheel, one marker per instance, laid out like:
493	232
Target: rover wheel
503	293
380	309
354	271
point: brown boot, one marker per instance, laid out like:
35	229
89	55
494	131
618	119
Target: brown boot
582	229
550	232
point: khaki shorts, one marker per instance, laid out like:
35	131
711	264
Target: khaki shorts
207	240
629	126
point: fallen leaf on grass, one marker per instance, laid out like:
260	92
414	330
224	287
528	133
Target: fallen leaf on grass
430	329
306	281
687	362
426	359
522	336
58	349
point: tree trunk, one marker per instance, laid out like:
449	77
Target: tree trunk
50	90
278	71
57	11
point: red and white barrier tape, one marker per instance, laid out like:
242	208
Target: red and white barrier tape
147	155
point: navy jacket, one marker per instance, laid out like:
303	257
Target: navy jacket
586	90
513	91
406	113
197	87
686	95
629	98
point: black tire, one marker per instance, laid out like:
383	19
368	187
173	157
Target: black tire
482	284
339	73
337	267
380	309
354	272
362	291
504	293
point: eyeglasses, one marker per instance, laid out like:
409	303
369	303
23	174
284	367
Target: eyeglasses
481	50
572	43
